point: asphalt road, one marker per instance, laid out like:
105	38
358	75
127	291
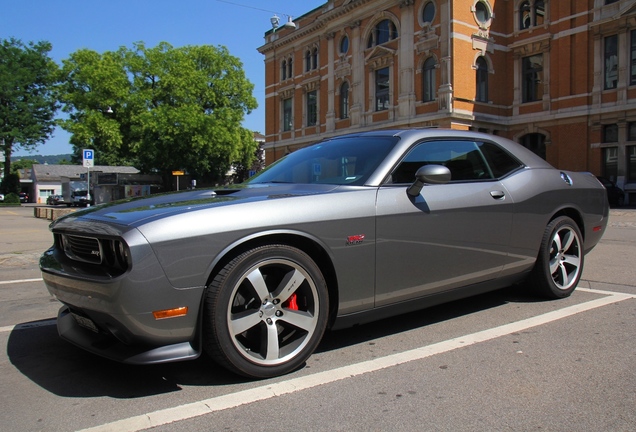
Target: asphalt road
504	361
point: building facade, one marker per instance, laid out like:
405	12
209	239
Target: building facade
558	76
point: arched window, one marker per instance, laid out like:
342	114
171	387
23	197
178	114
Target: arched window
531	13
290	69
344	100
428	80
383	32
525	15
283	71
314	58
482	80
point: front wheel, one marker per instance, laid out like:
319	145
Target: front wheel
560	262
265	311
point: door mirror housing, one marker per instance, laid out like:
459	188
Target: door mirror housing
429	174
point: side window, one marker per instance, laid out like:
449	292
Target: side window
500	162
466	160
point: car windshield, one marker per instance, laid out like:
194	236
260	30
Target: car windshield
342	161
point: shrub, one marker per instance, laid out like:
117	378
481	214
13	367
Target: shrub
12	198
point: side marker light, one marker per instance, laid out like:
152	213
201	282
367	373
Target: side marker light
170	313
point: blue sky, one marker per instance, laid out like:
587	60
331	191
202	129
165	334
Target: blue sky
69	25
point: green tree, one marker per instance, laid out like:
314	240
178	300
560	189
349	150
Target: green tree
27	96
22	164
10	184
160	109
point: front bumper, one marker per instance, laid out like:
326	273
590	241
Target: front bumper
79	333
112	314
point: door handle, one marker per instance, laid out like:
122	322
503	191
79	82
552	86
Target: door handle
498	195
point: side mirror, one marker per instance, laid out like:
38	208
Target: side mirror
429	174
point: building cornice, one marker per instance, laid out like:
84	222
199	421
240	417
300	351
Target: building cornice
322	21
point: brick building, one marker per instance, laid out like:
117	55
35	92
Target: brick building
558	76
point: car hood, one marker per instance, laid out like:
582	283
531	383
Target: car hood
134	211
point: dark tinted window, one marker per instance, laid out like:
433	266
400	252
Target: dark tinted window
340	161
501	162
466	160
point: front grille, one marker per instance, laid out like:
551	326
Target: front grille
112	254
85	249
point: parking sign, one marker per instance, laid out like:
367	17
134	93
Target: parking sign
88	158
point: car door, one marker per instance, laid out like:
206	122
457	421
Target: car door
450	235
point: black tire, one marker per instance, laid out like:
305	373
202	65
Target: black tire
265	312
560	262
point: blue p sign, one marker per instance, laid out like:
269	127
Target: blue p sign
88	156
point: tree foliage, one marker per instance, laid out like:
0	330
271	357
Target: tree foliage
22	164
12	198
27	96
10	184
159	109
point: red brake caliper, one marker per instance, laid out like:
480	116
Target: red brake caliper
291	302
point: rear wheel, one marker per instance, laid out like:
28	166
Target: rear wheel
560	262
265	311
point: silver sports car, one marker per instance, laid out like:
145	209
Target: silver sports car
352	229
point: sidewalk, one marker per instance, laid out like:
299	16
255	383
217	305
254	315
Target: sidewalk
23	237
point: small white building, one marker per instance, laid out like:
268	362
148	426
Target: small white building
46	179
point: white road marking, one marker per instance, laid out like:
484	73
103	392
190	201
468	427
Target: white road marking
20	281
268	391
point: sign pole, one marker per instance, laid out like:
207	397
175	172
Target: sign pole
88	159
177	174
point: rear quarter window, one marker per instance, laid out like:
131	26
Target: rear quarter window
501	162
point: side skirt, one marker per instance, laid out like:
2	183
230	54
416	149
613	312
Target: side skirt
376	314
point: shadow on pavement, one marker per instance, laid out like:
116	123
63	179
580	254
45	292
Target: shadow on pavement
67	371
424	317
